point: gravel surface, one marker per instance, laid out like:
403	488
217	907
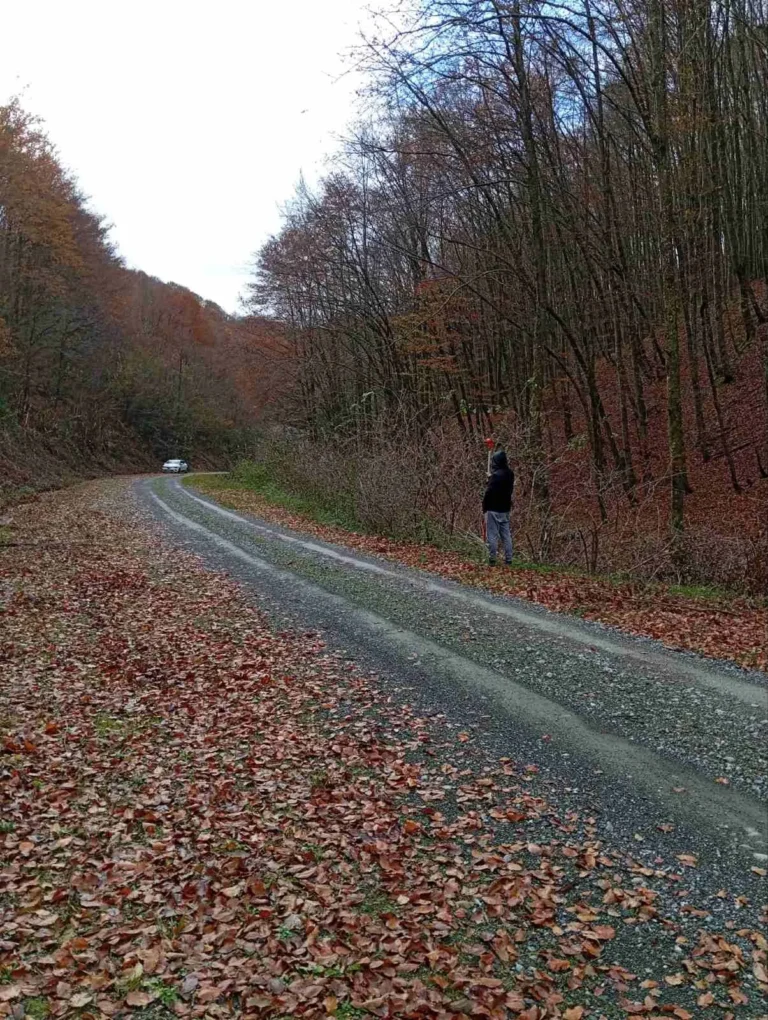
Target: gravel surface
637	735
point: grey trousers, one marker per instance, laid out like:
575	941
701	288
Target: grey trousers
496	528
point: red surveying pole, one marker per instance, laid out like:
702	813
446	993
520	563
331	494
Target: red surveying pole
490	445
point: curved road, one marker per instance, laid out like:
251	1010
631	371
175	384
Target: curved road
666	750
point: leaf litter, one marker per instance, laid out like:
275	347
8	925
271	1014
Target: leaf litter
203	817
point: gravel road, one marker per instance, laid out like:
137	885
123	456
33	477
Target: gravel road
619	727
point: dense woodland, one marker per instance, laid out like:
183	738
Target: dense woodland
101	367
553	229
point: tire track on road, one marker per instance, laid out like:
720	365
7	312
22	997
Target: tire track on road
741	819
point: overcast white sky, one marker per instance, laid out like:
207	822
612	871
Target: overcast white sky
187	123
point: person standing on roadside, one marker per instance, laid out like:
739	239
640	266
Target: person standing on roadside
497	503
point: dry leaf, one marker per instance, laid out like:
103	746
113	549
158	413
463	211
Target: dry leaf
674	979
138	999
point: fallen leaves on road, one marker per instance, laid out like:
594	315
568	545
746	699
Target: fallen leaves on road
204	818
735	629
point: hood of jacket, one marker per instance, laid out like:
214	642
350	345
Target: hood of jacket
499	461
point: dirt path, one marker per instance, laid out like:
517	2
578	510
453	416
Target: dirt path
205	815
732	629
628	712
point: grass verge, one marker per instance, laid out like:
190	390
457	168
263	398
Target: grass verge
251	477
704	620
256	478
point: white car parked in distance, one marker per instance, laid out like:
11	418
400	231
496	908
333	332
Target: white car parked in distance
176	465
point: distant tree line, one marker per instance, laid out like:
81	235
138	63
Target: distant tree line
556	206
95	358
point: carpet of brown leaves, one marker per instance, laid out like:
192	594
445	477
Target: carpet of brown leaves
734	629
201	817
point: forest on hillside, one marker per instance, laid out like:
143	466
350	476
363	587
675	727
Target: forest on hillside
103	368
551	227
552	230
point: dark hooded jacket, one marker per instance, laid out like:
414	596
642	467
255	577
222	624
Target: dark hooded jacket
498	494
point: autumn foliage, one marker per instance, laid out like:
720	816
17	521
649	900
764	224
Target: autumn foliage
103	367
554	232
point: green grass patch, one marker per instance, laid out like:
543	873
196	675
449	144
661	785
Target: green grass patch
346	1011
131	983
11	495
105	725
706	593
546	569
252	477
37	1008
377	903
317	970
166	994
